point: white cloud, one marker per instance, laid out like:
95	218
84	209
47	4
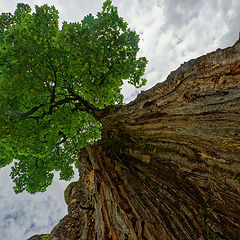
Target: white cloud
233	16
24	215
175	31
171	32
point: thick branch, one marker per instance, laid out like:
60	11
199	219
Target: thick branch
86	106
30	112
78	103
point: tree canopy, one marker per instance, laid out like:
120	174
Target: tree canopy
56	82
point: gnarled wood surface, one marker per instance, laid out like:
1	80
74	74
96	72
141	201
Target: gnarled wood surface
168	165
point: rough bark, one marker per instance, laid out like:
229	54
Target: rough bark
168	165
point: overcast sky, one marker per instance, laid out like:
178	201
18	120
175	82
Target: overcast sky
171	32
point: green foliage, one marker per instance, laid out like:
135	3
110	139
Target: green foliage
54	82
45	237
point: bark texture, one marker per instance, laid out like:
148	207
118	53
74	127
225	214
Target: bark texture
168	165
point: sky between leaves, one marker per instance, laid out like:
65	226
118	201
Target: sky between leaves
171	33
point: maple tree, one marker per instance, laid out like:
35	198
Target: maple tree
56	83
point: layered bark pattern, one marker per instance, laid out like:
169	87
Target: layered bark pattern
168	165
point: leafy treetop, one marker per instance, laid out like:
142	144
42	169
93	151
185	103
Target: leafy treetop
55	86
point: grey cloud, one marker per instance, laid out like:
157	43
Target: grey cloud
174	31
24	215
232	34
178	13
74	10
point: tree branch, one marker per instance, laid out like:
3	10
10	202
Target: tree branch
30	112
52	106
64	137
79	103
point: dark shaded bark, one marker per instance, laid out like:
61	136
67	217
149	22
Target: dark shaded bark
168	165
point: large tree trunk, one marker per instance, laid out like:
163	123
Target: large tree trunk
168	165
